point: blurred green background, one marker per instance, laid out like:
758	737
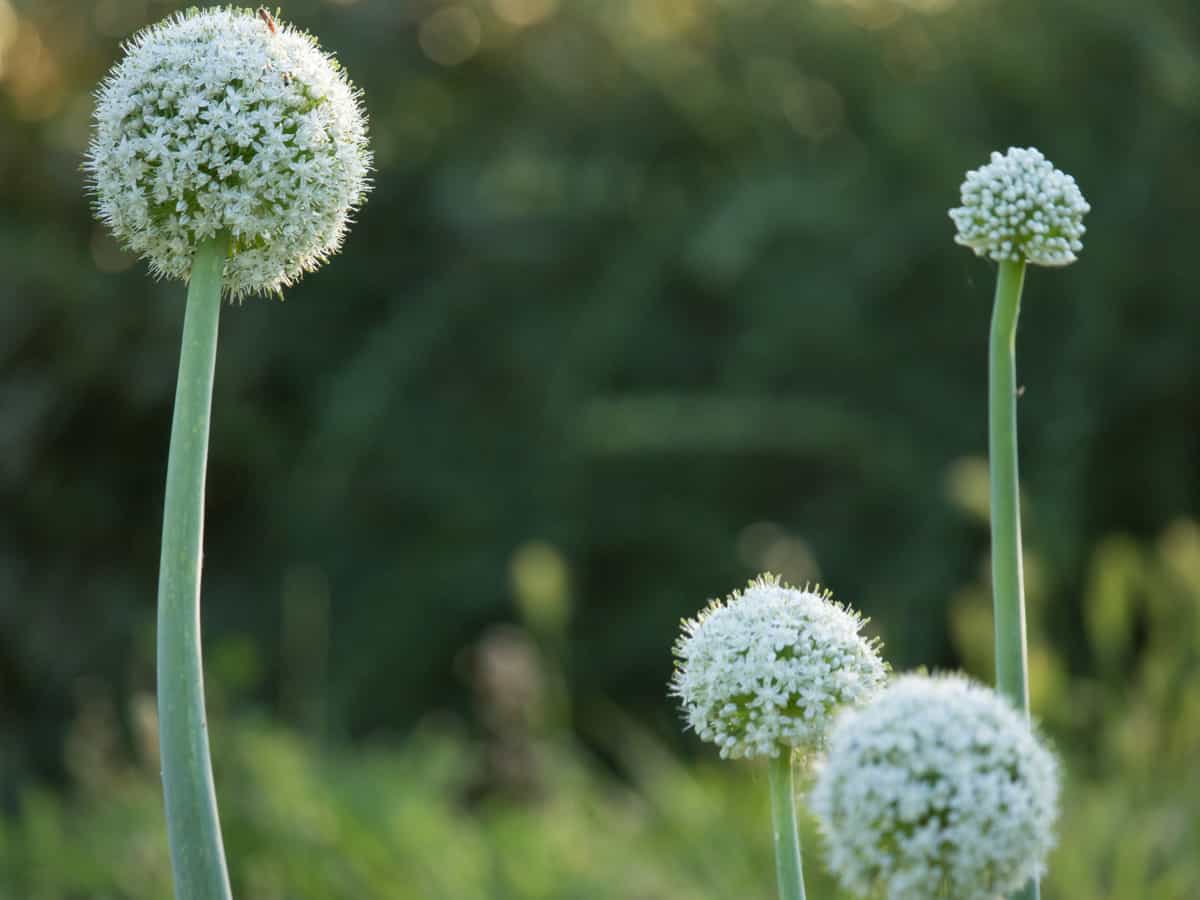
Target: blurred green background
650	296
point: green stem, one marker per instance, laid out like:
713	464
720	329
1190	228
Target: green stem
1008	582
193	829
783	824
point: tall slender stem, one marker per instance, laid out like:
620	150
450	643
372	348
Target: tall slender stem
783	824
1008	580
193	828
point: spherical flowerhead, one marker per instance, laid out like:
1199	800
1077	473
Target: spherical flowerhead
937	788
225	121
1019	207
766	670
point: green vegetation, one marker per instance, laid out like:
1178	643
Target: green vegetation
664	289
525	813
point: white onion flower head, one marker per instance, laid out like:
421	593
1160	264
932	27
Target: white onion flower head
937	788
1019	207
216	121
766	670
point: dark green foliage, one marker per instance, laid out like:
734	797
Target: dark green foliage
631	280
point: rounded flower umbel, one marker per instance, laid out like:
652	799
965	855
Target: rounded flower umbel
937	788
222	121
1019	207
766	670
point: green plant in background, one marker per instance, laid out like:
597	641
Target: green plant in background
763	674
1129	725
1017	209
336	822
230	152
820	388
938	787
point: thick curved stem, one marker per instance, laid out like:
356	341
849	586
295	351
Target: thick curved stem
1008	582
783	824
193	829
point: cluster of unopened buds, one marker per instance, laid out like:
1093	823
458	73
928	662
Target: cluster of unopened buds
1018	208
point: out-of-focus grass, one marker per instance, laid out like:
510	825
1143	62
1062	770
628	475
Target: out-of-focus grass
401	822
518	809
397	822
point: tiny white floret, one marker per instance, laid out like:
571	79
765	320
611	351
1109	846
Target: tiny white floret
766	670
215	121
1019	207
938	787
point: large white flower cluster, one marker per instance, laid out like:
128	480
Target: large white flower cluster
1018	207
937	788
222	121
767	670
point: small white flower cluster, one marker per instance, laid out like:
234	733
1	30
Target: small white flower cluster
222	121
767	670
1018	207
937	788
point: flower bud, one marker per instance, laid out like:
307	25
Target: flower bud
1019	207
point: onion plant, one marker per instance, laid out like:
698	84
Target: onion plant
762	674
229	152
1017	210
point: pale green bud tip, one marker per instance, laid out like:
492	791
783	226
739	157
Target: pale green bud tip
1019	207
222	120
938	787
766	670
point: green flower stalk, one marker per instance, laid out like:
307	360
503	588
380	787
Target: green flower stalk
763	673
789	870
1017	210
229	152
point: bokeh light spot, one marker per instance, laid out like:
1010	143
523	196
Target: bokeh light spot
930	6
880	14
812	106
451	35
107	253
32	75
768	547
540	583
524	13
663	18
8	33
968	487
